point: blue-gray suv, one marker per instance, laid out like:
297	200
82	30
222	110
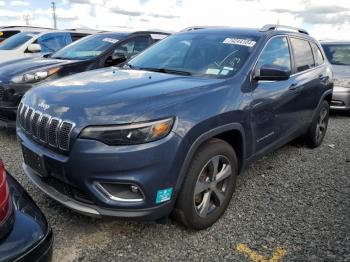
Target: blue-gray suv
169	131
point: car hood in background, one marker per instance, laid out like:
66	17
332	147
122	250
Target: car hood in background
341	71
22	66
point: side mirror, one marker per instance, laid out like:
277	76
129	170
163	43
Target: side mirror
273	73
34	48
119	56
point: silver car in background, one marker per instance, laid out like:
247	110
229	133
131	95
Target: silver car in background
338	54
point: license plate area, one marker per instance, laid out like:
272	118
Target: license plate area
34	161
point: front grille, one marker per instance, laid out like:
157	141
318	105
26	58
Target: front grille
2	93
48	130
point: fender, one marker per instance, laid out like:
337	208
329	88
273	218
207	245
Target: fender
326	93
204	137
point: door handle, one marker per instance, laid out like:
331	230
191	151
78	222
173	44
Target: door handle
294	86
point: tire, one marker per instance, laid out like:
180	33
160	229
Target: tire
318	127
201	210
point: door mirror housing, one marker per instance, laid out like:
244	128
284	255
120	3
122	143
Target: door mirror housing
273	73
34	48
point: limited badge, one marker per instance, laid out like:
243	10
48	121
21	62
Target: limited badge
164	195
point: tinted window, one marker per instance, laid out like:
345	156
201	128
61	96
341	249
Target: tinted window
276	53
77	36
337	54
88	47
17	40
53	41
134	46
6	34
317	54
210	55
304	59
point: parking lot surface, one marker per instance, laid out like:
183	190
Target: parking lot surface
292	205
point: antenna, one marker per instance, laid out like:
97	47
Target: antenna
54	16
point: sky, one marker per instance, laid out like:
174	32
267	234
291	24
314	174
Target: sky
324	19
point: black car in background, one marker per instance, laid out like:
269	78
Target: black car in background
25	234
92	52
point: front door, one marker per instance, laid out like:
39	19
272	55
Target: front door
273	111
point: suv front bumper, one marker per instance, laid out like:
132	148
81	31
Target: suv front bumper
150	166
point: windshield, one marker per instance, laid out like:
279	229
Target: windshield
17	40
210	55
88	47
337	54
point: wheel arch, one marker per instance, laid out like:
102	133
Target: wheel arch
232	133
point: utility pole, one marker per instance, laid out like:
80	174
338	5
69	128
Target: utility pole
26	19
54	17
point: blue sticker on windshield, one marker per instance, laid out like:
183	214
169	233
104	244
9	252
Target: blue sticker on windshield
164	195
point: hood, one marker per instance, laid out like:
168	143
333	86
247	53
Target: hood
8	55
341	71
112	96
21	66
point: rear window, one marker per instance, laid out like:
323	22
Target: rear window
17	40
317	54
303	56
337	54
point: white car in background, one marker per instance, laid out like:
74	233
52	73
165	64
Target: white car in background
37	42
8	31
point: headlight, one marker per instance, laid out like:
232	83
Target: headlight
132	134
343	82
34	76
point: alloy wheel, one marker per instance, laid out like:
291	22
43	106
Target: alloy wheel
212	185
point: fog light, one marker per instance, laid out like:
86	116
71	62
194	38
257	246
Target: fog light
134	189
122	192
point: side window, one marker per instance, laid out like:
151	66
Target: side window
53	41
317	54
304	59
276	52
134	46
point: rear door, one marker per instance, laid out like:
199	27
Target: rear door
307	78
274	114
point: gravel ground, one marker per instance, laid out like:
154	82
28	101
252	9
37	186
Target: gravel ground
295	199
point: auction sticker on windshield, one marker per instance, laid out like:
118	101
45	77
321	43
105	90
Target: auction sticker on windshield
238	41
110	40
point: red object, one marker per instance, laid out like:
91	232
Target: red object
4	194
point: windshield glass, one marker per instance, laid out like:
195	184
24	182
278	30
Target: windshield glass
210	55
337	54
88	47
17	40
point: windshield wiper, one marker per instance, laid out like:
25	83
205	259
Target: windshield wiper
166	71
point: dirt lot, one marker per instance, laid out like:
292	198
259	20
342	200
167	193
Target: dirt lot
292	205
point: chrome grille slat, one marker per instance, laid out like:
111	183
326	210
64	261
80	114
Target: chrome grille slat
44	128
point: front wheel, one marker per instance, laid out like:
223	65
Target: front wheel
318	127
208	186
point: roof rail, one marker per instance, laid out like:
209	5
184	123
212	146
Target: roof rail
193	28
269	27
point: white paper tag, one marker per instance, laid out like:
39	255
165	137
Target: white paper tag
110	40
238	41
212	71
158	36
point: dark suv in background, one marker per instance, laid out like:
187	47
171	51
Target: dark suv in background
171	130
95	51
338	54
